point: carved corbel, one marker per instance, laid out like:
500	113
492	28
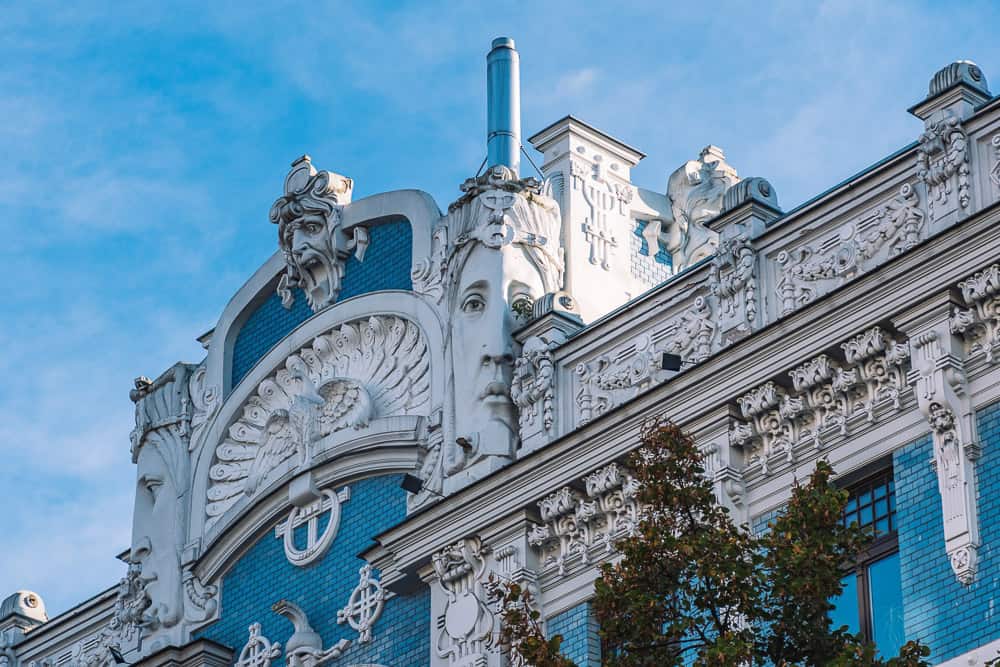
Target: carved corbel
939	381
979	324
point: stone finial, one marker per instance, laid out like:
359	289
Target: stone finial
959	72
955	90
750	189
26	604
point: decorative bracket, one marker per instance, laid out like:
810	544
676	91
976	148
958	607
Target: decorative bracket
939	381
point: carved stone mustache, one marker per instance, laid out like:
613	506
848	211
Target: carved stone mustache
494	389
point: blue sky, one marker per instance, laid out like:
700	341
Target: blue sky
143	145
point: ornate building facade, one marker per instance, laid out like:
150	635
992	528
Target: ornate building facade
402	401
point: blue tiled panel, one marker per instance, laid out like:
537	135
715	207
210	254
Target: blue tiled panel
651	270
951	618
578	627
386	266
401	636
387	262
266	326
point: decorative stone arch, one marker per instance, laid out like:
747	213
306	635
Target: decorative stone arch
416	206
273	371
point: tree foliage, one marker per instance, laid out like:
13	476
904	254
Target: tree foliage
693	588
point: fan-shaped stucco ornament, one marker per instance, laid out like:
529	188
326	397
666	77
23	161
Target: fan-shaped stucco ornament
365	369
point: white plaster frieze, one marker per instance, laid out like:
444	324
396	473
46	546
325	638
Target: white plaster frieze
463	639
811	270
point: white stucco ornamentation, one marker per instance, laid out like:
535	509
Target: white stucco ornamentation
811	270
938	379
202	601
979	324
206	399
258	651
503	252
363	370
533	384
464	641
733	281
828	401
574	524
995	171
618	376
943	161
695	191
305	647
309	514
365	604
310	235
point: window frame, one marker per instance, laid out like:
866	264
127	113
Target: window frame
882	546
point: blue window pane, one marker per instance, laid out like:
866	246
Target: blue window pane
866	516
881	526
886	600
845	606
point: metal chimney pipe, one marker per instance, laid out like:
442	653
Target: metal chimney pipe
503	105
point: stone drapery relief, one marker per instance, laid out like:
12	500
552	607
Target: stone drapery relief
310	236
943	162
809	271
828	400
365	369
576	525
979	323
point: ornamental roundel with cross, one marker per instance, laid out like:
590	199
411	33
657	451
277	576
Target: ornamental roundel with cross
365	604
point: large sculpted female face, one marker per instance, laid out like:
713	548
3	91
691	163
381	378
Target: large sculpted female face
157	537
491	282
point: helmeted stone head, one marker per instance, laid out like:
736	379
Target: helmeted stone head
160	514
504	252
309	234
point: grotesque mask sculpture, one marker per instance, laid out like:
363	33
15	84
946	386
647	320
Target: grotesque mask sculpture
310	235
503	254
